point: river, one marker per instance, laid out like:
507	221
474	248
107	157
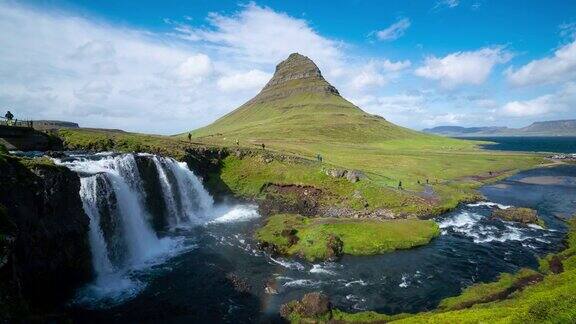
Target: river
178	273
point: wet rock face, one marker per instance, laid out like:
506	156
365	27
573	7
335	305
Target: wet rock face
152	190
49	256
297	74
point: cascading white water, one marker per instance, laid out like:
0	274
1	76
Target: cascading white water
89	194
196	202
112	192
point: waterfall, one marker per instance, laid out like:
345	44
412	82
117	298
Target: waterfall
186	199
114	197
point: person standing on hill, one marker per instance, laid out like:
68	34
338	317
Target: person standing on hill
263	146
9	117
189	137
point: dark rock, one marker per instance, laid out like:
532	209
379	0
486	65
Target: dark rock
240	284
556	265
28	139
152	190
294	199
49	256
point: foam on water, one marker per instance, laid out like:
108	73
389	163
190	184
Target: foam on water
239	213
288	264
482	229
322	269
488	204
302	283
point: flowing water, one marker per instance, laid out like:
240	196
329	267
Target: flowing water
174	269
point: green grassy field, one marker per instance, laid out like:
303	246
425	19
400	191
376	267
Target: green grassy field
358	237
346	137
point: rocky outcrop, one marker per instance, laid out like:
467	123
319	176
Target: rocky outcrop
291	199
206	163
351	175
28	139
297	74
48	254
312	305
517	214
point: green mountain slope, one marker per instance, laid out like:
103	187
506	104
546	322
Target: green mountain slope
299	113
299	105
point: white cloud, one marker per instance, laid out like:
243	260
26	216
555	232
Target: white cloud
444	119
261	35
105	68
395	66
461	68
251	80
94	49
193	70
448	3
394	31
560	67
375	73
368	78
562	100
568	30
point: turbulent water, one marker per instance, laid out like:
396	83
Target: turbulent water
178	272
122	235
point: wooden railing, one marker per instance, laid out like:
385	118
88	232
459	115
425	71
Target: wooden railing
16	123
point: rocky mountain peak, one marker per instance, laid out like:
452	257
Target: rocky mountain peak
295	75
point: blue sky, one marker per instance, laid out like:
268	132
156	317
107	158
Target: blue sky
170	66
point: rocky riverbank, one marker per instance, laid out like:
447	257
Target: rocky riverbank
44	250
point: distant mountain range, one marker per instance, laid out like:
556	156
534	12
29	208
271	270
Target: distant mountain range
544	128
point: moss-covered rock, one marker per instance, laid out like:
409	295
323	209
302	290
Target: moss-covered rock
518	214
328	238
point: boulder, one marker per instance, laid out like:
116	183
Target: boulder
354	175
335	173
518	214
335	248
312	305
351	175
271	287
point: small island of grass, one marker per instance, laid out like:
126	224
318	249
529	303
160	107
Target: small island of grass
328	238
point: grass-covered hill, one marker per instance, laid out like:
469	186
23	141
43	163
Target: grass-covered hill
299	107
299	112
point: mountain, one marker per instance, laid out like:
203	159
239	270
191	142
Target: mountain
461	131
299	104
544	128
555	127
